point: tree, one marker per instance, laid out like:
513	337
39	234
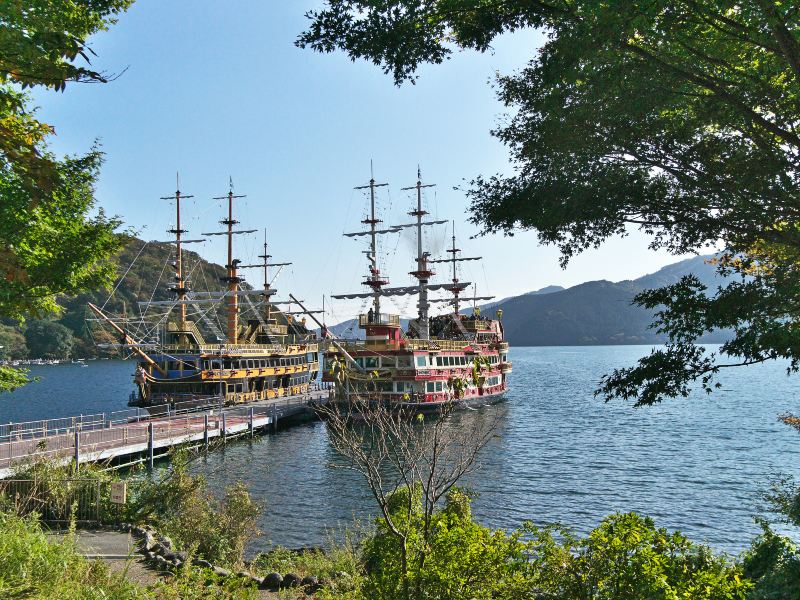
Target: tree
48	339
677	117
409	463
12	343
52	240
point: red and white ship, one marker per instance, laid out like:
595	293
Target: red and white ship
451	357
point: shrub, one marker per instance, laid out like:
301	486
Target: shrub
31	565
181	506
628	557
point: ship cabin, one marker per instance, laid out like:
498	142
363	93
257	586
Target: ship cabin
269	360
425	371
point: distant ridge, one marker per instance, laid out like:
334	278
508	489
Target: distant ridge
591	313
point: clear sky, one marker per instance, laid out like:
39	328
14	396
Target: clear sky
218	89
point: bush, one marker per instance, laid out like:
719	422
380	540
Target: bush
181	506
628	557
31	566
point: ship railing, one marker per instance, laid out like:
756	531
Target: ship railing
311	346
406	344
379	319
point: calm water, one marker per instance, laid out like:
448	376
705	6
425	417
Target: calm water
559	454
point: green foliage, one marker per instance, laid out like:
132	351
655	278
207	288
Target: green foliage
33	566
12	343
628	557
456	558
41	44
181	506
11	378
48	339
773	563
675	117
53	246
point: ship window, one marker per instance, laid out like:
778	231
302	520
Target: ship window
431	387
421	361
452	361
371	361
403	361
439	386
388	361
360	362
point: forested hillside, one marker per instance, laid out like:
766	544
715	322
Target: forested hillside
147	273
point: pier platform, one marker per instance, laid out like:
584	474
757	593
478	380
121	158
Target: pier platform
131	436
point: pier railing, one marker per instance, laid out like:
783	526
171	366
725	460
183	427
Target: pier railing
105	436
43	428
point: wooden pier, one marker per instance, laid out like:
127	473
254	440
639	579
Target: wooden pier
138	435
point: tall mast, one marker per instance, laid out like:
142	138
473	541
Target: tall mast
180	287
423	272
453	250
375	281
266	258
232	278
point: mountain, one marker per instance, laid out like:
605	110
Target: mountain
592	313
597	312
144	272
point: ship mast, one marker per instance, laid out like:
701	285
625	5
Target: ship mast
180	288
232	276
374	281
422	273
453	250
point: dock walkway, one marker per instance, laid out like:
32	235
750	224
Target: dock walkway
137	434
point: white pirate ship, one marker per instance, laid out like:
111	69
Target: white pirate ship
263	353
448	358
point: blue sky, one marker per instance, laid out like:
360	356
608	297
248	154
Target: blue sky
217	90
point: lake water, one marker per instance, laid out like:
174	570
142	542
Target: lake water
560	454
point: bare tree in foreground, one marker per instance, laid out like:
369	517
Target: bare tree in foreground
395	451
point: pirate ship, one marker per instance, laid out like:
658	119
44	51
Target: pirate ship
445	358
264	351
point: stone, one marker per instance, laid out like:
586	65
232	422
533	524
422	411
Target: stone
161	562
243	574
181	555
273	581
150	555
310	582
203	564
221	572
291	580
165	541
149	541
178	563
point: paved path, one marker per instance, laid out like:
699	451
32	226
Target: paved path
110	545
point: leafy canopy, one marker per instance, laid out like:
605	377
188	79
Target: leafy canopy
677	117
52	240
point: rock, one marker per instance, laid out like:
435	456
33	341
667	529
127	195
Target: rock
243	574
161	562
204	564
341	575
150	555
170	556
291	580
310	582
181	555
221	572
165	541
149	541
178	563
273	581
